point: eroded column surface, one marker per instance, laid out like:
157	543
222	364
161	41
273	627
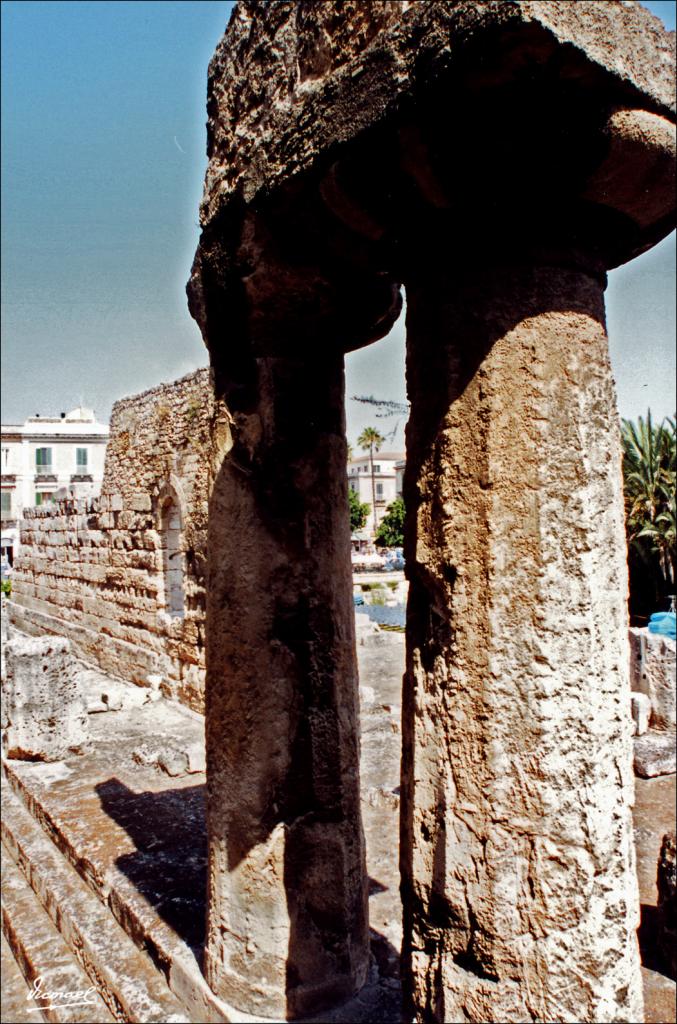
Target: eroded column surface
287	921
519	888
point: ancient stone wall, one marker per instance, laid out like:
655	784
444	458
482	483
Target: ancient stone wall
123	575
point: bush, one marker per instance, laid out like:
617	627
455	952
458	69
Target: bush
390	533
6	588
358	511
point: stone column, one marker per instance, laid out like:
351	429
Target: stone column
287	920
518	879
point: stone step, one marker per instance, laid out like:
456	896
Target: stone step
46	963
90	850
124	976
91	841
15	998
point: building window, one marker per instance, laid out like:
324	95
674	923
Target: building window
379	490
44	497
81	460
43	460
377	467
5	458
6	501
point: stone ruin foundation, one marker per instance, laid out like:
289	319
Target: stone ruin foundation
495	159
122	576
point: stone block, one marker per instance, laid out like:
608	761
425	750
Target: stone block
45	709
140	502
652	671
116	503
171	758
365	629
654	755
197	761
641	712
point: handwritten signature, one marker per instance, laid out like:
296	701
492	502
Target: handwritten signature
59	998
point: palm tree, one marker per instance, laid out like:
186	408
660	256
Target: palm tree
649	482
371	440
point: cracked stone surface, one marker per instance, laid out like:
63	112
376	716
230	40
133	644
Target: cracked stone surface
306	77
44	709
141	834
328	175
655	754
652	673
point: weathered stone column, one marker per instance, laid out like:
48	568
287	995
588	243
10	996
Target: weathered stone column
518	879
287	920
340	137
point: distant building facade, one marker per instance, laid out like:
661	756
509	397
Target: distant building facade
45	458
386	482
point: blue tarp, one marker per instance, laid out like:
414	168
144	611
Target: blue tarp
385	615
663	623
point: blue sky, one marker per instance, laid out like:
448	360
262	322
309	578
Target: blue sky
103	156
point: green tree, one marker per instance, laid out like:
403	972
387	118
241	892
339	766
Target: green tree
358	511
390	533
649	489
370	440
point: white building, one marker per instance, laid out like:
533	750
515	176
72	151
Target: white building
45	457
399	477
385	485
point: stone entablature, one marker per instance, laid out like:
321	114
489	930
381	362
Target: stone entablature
123	575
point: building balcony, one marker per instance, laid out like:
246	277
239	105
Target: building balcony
8	518
82	478
9	478
45	474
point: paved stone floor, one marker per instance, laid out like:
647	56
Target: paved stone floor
654	815
138	834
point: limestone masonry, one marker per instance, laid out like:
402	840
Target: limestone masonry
44	708
123	576
496	159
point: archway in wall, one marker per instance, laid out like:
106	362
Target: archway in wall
173	561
